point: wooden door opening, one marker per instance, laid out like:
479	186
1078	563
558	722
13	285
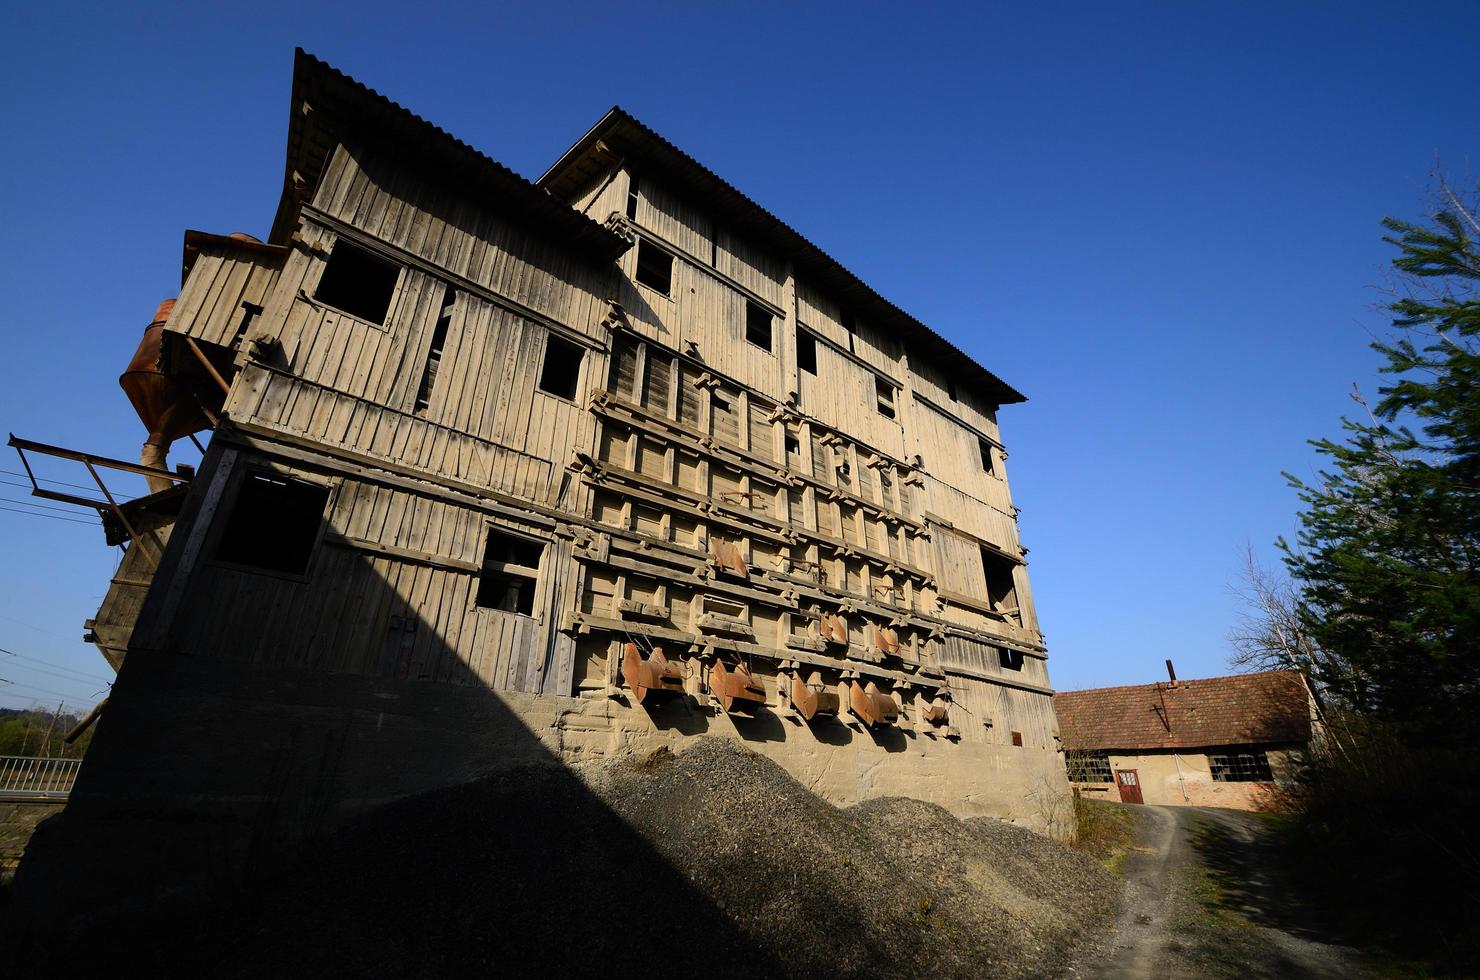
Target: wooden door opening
1130	786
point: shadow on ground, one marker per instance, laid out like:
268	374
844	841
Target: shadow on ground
1250	869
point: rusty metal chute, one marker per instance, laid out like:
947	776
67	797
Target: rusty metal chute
650	679
812	697
870	705
936	712
726	558
833	628
737	689
884	639
168	410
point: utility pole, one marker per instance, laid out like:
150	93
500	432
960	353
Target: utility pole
46	742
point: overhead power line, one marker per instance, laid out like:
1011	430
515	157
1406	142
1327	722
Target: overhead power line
42	479
55	517
51	665
68	509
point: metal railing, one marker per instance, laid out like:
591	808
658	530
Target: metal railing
36	778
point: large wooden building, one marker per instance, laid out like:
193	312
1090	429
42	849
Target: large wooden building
500	471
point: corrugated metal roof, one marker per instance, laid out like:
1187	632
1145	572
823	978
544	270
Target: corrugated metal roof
329	106
624	134
1270	707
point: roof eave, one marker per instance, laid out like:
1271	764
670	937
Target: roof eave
628	135
328	106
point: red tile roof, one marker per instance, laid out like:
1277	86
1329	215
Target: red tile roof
1271	707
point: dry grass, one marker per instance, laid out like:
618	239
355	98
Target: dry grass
1105	831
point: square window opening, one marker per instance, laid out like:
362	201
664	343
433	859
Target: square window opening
1017	738
654	267
1010	659
989	462
758	325
511	568
561	368
806	352
998	571
274	524
793	447
358	282
1240	767
884	396
1088	767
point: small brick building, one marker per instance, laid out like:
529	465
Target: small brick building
1221	741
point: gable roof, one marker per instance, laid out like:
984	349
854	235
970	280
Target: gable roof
619	133
329	107
1270	707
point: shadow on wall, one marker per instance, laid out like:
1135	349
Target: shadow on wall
215	785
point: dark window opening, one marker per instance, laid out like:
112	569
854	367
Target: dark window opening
511	569
434	355
632	198
357	282
793	447
274	524
1240	767
951	389
1010	659
1017	738
884	396
250	312
849	325
997	570
714	247
989	462
654	267
758	325
562	367
806	352
1088	767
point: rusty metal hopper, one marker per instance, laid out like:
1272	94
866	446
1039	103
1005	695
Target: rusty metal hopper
650	680
872	706
812	698
168	411
737	689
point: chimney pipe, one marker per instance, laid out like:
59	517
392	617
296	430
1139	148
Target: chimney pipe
1171	673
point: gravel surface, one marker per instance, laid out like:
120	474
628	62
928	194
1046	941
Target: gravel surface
714	862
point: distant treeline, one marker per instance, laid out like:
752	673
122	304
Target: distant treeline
23	731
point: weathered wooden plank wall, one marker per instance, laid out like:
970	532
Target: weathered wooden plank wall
703	440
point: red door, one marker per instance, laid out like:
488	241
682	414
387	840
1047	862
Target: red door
1130	786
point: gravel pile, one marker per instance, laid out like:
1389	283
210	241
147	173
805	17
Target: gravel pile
711	863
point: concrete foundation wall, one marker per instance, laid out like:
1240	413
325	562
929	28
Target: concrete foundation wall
218	770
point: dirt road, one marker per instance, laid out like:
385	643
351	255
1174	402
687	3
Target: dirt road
1205	898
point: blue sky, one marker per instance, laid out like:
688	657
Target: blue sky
1159	220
